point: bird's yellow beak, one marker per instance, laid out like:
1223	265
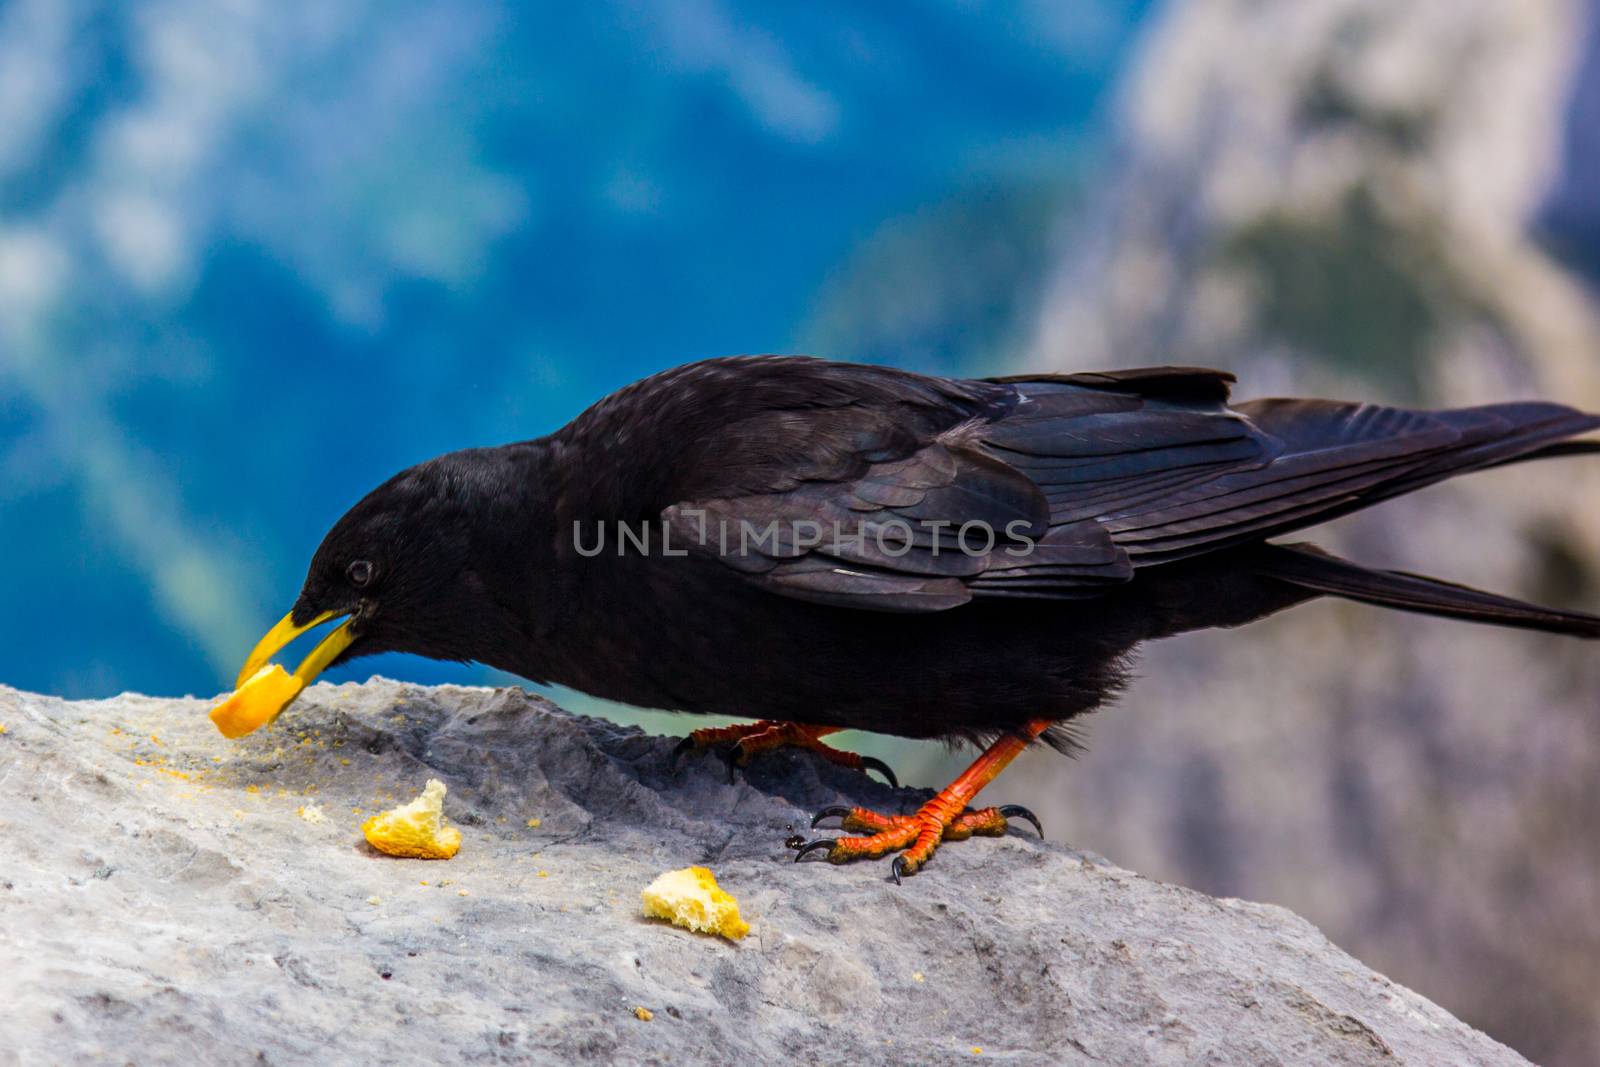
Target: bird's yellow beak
264	689
286	630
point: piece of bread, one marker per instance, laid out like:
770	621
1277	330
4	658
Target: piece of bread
256	702
416	830
690	898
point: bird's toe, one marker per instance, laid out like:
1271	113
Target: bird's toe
1017	811
837	811
812	846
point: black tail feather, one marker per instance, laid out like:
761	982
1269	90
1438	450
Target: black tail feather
1555	451
1311	568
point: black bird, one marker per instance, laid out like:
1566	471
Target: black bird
830	545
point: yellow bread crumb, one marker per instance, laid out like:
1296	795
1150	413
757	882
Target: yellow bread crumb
256	702
415	830
644	1015
533	824
311	813
690	898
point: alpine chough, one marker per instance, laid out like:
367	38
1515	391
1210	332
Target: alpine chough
829	545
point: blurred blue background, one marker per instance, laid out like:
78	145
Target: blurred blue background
256	258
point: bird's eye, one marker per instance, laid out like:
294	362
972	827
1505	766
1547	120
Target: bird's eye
359	572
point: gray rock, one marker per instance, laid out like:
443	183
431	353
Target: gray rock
162	901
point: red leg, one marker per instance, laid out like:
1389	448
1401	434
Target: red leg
945	817
748	739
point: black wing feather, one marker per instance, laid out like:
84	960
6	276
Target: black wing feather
1105	473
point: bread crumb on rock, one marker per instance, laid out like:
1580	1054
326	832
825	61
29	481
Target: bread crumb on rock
416	830
691	898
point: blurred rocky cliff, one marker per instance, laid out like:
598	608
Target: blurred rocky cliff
1376	201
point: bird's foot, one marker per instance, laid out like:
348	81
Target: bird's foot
944	818
915	837
738	744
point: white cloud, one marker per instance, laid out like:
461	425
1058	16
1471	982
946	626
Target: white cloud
143	238
33	272
700	36
35	75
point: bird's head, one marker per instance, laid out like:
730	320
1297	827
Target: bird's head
395	569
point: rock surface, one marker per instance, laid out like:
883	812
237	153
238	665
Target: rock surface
164	899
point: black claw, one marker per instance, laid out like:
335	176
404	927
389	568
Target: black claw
1017	811
812	846
730	757
837	810
686	745
870	764
898	868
